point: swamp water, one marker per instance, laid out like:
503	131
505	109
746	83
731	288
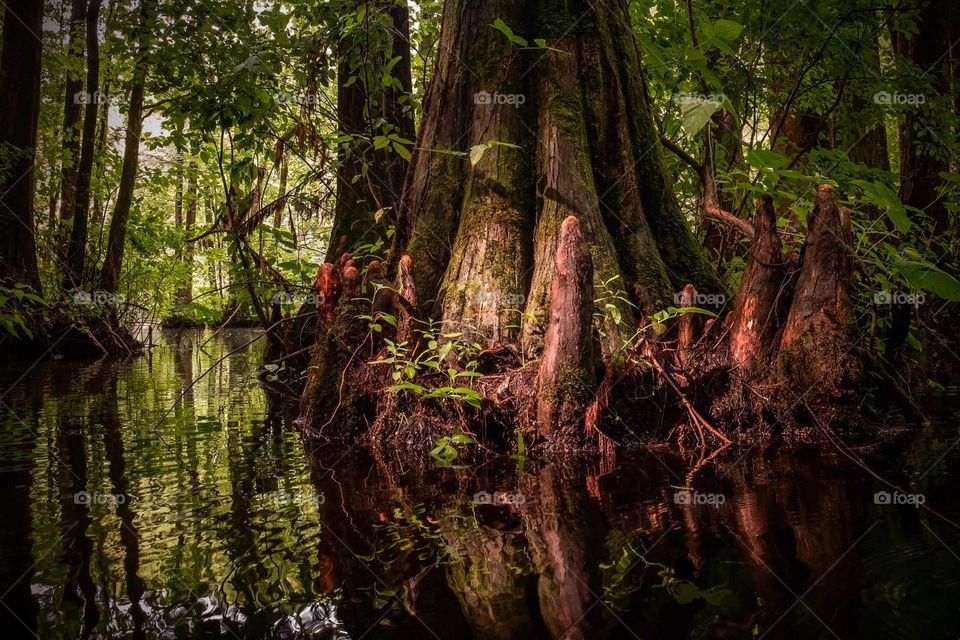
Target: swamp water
135	506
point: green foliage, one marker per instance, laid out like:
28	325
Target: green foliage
439	354
18	305
659	320
446	449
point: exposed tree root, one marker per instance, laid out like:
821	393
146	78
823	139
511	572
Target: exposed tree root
786	350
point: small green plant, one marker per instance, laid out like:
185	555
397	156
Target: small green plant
659	320
446	451
521	455
14	308
445	353
610	301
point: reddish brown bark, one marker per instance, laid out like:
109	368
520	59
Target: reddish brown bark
753	323
328	288
566	377
690	326
818	335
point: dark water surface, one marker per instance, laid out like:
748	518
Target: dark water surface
126	514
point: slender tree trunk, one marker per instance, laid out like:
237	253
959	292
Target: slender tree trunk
20	72
185	293
72	112
397	105
110	275
77	250
103	132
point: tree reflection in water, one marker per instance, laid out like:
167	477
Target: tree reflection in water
231	526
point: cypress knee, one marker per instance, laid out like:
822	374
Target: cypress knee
566	380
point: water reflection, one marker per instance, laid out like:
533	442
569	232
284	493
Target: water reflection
139	505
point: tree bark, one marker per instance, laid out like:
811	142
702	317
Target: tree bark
77	250
185	293
110	275
71	113
922	158
753	323
369	180
595	155
818	336
20	71
566	380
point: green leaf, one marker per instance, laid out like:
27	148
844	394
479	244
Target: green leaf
695	112
923	275
380	142
766	158
476	153
727	29
402	151
502	27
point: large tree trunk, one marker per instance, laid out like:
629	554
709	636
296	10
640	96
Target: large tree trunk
482	233
20	91
110	275
72	111
537	188
515	140
77	250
